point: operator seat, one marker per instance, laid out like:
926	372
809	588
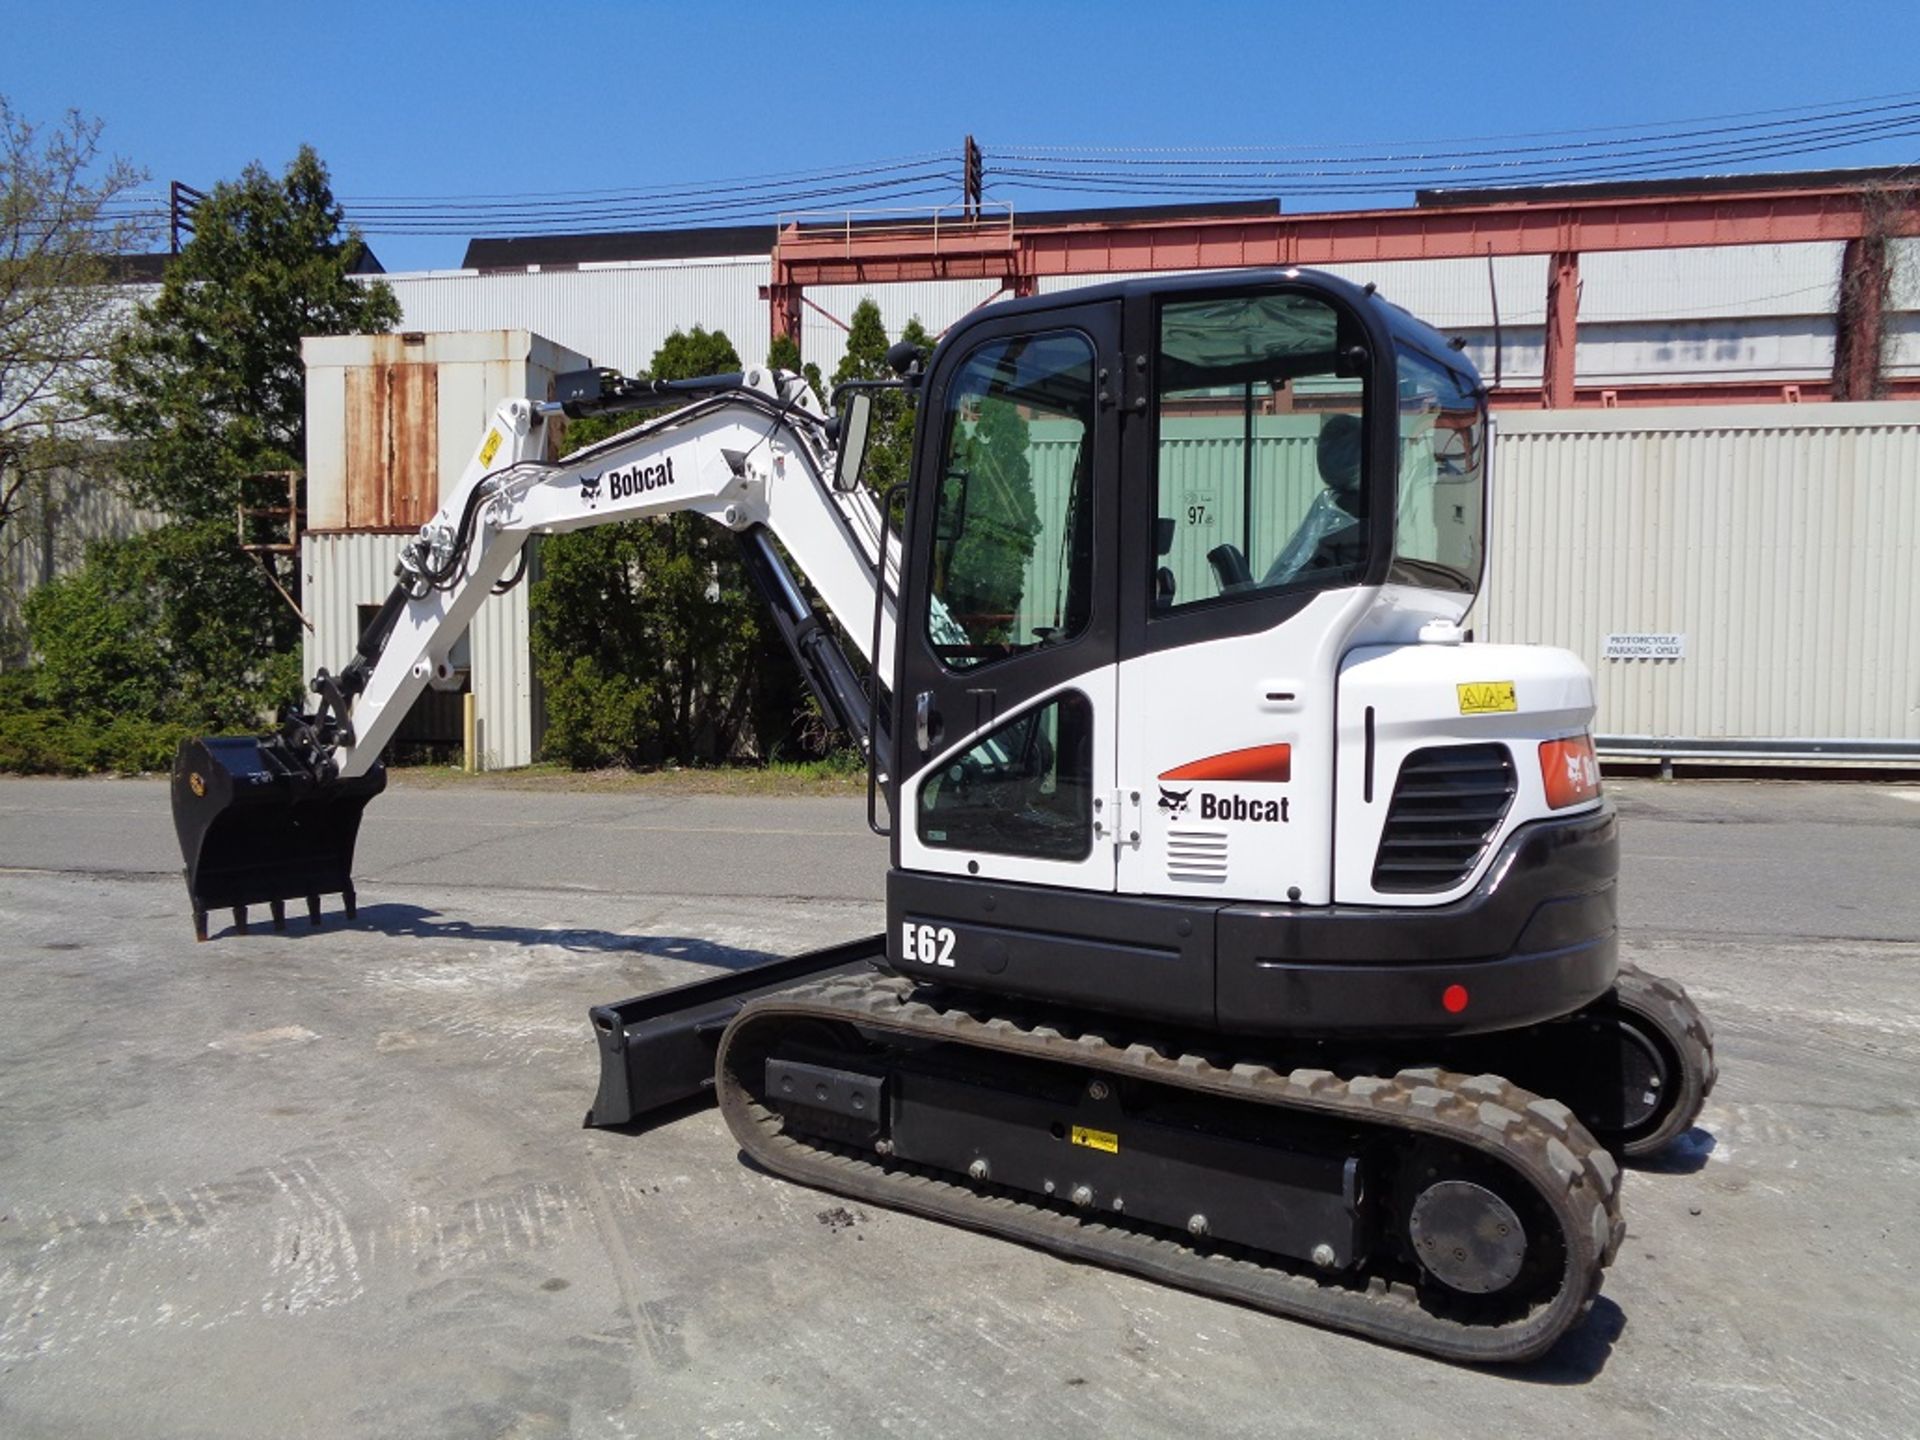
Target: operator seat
1330	536
1163	582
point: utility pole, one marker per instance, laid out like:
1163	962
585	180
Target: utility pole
970	179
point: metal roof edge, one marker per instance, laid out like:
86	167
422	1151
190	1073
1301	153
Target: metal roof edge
1815	415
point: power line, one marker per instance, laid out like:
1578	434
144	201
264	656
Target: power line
1891	126
1360	182
1898	95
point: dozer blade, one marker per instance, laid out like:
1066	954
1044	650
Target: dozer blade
257	827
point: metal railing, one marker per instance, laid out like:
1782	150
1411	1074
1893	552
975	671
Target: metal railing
988	219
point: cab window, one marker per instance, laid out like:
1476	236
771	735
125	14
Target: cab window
1026	789
1012	546
1440	519
1261	452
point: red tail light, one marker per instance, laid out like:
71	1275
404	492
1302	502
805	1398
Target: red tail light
1569	770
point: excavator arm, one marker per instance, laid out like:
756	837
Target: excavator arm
267	819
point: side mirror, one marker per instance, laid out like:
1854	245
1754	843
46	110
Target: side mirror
856	419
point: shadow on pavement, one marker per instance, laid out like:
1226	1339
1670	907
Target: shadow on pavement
423	924
1581	1354
1686	1155
665	1115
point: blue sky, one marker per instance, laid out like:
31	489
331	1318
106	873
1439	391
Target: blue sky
481	98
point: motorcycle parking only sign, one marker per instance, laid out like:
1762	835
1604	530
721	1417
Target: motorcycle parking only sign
1644	647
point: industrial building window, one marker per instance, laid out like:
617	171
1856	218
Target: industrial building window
1259	475
1012	548
1440	518
1026	789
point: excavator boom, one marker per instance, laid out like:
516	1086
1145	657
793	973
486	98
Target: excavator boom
266	819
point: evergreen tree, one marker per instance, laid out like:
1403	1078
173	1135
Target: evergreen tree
890	439
784	354
208	381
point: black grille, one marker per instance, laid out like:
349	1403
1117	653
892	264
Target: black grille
1447	804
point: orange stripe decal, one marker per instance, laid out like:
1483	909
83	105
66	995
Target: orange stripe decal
1272	763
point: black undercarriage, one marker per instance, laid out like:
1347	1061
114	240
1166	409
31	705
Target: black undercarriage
1364	1154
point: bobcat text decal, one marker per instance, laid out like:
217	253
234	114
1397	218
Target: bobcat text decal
638	479
1242	807
1257	764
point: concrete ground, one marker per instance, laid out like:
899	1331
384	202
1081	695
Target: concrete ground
334	1183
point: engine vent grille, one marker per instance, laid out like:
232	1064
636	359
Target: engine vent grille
1197	856
1447	804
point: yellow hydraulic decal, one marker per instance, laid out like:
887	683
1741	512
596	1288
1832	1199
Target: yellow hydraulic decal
1096	1139
1487	697
490	447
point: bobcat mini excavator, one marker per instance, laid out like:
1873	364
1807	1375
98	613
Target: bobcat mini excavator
1249	927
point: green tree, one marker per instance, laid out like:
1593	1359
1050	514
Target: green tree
686	354
983	564
179	627
890	441
784	354
208	381
647	635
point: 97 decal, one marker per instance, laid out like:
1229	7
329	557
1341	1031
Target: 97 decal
928	944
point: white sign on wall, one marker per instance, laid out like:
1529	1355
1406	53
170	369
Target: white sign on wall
1645	647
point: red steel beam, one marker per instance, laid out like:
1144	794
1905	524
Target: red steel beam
1563	316
1532	227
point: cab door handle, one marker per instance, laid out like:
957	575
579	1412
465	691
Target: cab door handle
926	720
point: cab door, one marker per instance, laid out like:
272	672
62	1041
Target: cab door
1251	532
1005	707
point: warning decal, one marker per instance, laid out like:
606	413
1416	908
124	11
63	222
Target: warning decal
490	447
1487	697
1096	1139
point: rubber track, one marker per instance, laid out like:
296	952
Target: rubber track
1666	1006
1538	1140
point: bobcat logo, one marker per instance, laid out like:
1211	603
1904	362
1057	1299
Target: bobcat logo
1174	802
590	489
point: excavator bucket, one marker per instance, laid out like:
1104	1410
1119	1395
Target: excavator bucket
257	827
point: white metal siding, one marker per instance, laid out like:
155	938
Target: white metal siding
936	304
341	572
1725	312
1783	541
616	314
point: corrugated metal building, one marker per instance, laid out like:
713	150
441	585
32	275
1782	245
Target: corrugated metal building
388	417
1780	542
